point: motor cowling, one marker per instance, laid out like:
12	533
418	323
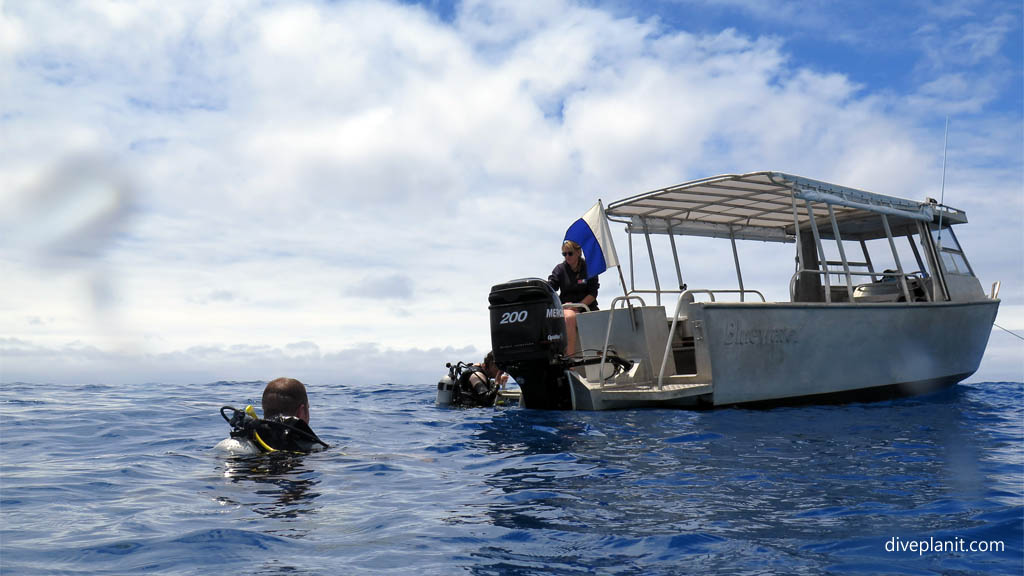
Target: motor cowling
528	337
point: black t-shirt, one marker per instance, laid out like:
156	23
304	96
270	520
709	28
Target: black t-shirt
574	286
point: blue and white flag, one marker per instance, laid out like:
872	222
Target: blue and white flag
591	232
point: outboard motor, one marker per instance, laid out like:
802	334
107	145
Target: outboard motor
528	338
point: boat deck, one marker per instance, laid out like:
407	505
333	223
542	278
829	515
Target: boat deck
508	398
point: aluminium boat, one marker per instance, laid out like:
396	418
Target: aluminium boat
882	299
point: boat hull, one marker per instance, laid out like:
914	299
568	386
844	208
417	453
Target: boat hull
764	352
783	353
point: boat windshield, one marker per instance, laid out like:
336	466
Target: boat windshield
953	259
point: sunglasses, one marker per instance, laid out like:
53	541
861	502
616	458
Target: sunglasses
567	254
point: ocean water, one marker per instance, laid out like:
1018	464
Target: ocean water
122	480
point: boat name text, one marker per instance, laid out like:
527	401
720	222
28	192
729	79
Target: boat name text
736	336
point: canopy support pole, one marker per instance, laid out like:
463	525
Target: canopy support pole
654	267
842	252
736	259
821	252
675	255
896	258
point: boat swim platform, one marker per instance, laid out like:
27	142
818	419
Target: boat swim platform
508	398
678	390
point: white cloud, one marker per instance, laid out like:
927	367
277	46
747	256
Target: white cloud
383	287
292	160
363	365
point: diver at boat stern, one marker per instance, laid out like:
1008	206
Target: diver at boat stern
283	428
471	385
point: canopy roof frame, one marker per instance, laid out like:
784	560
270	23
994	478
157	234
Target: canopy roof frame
758	206
764	206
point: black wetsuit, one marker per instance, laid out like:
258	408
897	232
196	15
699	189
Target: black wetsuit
574	286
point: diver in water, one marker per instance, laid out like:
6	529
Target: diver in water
483	375
283	428
478	384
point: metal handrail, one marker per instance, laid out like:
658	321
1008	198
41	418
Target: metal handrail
608	332
650	291
701	291
723	291
672	333
919	274
835	272
675	321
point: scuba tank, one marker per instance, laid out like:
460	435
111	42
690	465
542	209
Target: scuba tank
277	434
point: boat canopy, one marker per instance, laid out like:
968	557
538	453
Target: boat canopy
767	206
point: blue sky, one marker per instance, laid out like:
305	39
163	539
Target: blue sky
241	190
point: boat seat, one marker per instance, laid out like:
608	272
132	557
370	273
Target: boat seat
889	290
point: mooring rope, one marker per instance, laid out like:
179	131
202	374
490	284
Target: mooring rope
1009	331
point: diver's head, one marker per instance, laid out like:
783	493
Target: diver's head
286	397
489	366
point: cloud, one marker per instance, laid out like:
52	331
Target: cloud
367	364
215	297
387	287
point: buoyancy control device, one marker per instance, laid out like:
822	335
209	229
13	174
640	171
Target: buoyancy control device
276	434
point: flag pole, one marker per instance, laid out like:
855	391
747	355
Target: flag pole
622	279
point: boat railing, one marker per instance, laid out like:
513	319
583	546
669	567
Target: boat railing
849	274
712	293
657	292
624	300
742	292
687	298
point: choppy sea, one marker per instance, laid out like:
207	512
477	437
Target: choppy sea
123	480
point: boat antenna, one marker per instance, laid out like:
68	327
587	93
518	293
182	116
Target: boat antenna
942	191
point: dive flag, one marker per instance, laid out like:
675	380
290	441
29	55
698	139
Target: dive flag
591	232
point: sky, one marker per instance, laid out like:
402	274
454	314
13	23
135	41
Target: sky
241	190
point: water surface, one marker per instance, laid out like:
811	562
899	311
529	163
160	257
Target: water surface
121	480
